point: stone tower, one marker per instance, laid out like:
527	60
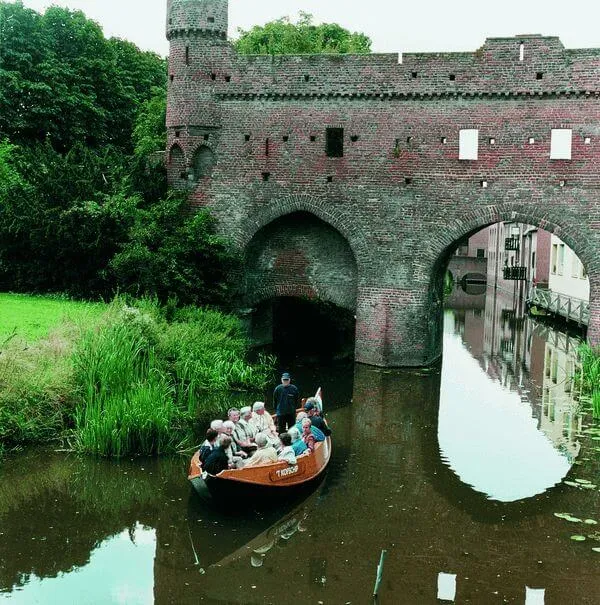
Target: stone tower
199	55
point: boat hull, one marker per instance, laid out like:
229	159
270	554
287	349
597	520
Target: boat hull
271	480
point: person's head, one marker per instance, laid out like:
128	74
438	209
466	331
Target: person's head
246	413
285	439
228	427
211	435
286	379
217	425
301	416
225	441
294	434
309	408
261	440
306	424
259	408
234	415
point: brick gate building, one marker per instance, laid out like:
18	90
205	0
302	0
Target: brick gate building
352	178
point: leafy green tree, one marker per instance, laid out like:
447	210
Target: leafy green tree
282	37
170	254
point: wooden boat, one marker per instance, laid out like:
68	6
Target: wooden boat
268	478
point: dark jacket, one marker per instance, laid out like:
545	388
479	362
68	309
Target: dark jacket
286	400
216	462
320	424
205	451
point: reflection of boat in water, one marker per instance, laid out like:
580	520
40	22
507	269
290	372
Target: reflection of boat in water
258	549
264	480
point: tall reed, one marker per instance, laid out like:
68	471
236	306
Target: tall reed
589	376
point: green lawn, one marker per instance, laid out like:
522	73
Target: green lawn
31	317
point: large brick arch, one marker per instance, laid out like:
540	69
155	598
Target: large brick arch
300	255
583	240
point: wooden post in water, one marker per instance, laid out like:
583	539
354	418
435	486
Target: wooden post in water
379	575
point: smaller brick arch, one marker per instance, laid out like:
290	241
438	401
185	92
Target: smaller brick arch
339	219
203	160
176	165
300	255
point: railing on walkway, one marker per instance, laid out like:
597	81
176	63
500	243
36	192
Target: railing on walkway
573	309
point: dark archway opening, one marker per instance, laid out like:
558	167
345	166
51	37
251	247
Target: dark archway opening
302	329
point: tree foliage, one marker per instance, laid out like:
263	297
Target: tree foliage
84	207
284	37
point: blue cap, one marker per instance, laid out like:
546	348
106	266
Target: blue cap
285	376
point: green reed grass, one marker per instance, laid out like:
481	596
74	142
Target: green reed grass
142	377
589	376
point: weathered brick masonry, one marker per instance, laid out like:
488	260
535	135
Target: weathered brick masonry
372	230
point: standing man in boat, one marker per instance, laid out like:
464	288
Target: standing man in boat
286	399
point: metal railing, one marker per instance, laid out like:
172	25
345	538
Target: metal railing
573	309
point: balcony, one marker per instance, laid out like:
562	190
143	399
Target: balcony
511	243
515	273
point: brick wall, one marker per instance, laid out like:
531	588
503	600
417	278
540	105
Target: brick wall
399	199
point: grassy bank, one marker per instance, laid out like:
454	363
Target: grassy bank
127	380
29	318
590	377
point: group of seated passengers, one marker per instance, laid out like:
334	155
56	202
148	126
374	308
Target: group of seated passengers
249	438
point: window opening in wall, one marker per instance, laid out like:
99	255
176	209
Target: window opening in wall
492	141
408	181
562	183
414	75
539	75
330	179
521	51
202	163
354	138
561	259
560	143
480	253
313	138
213	76
187	55
452	77
206	137
171	77
334	146
468	145
286	138
587	140
211	19
227	78
483	184
267	146
307	78
554	259
531	140
443	140
266	176
246	137
409	140
177	134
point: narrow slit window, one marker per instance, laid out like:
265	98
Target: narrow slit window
521	52
211	19
560	143
267	147
246	137
213	76
468	146
187	55
335	142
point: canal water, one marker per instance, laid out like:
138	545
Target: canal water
458	472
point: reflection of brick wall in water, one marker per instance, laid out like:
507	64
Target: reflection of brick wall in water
400	196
